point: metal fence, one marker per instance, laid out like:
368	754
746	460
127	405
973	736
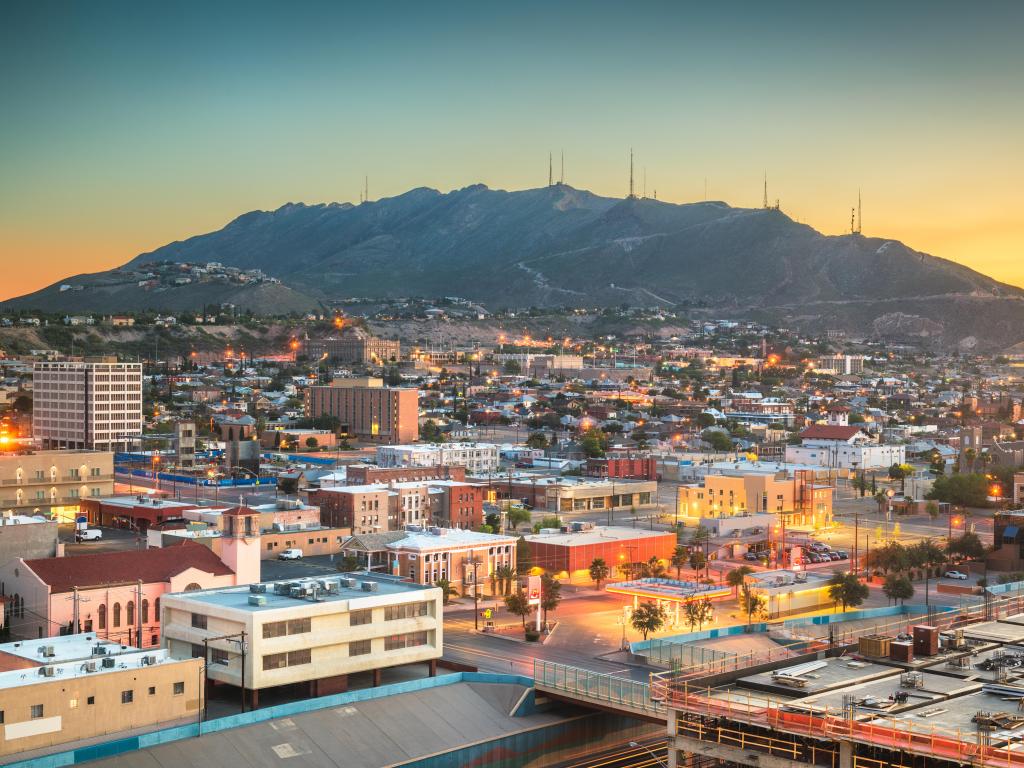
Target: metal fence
594	686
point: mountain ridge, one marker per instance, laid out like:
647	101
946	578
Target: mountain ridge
558	245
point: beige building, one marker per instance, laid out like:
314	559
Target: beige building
81	687
52	483
312	631
93	404
427	555
374	413
804	503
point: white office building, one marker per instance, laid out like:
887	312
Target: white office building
95	405
477	458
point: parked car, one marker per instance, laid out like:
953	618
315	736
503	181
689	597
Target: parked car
290	554
751	556
812	557
843	554
956	575
834	556
89	534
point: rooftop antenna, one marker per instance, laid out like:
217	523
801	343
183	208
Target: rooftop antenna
631	195
551	178
561	179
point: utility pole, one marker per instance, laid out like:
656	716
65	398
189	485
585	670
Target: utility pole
476	595
138	613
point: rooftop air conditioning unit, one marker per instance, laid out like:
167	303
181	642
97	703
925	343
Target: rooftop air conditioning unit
49	652
257	600
48	671
370	586
99	650
90	666
109	662
435	531
150	659
348	582
257	588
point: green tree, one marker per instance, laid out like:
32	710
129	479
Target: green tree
932	509
512	368
431	433
736	577
592	443
698	612
348	563
926	554
447	590
898	587
680	557
966	547
965	490
718	440
537	440
518	604
846	589
697	560
751	603
647	618
599	571
892	556
550	594
516	516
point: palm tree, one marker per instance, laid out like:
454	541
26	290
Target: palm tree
680	557
599	571
736	577
447	590
656	567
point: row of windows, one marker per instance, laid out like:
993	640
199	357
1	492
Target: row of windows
407	611
38	711
358	618
290	659
282	628
408	640
101	612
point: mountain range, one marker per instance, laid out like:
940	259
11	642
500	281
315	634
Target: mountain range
561	246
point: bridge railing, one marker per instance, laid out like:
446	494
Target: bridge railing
592	686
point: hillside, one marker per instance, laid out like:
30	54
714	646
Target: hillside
562	246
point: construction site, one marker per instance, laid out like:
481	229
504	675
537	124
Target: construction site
922	691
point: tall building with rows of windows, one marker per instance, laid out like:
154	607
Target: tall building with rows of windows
92	404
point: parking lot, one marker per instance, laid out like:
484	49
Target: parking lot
114	540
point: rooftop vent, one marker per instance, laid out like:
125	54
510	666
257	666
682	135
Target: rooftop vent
370	586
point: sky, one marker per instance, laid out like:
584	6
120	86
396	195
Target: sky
125	126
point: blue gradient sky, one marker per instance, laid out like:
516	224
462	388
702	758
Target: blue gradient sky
124	127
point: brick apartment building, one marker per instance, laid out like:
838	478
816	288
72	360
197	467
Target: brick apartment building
378	414
367	474
624	467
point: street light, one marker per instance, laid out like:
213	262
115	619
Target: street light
657	759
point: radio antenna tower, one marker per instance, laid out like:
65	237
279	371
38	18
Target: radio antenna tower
561	178
632	196
551	179
764	204
853	226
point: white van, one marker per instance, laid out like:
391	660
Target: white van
290	554
89	534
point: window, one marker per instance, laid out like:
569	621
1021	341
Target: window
179	688
359	648
117	615
409	640
358	618
199	620
407	611
72	703
127	697
130	611
36	711
152	690
145	611
90	701
218	656
102	616
291	659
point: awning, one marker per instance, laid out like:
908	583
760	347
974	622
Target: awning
1010	533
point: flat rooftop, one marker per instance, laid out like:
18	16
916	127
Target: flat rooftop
64	648
390	731
144	500
135	658
448	538
238	597
599	535
831	674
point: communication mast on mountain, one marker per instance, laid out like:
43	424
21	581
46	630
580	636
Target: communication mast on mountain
855	222
632	195
764	203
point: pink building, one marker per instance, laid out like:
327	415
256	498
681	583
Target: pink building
117	594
